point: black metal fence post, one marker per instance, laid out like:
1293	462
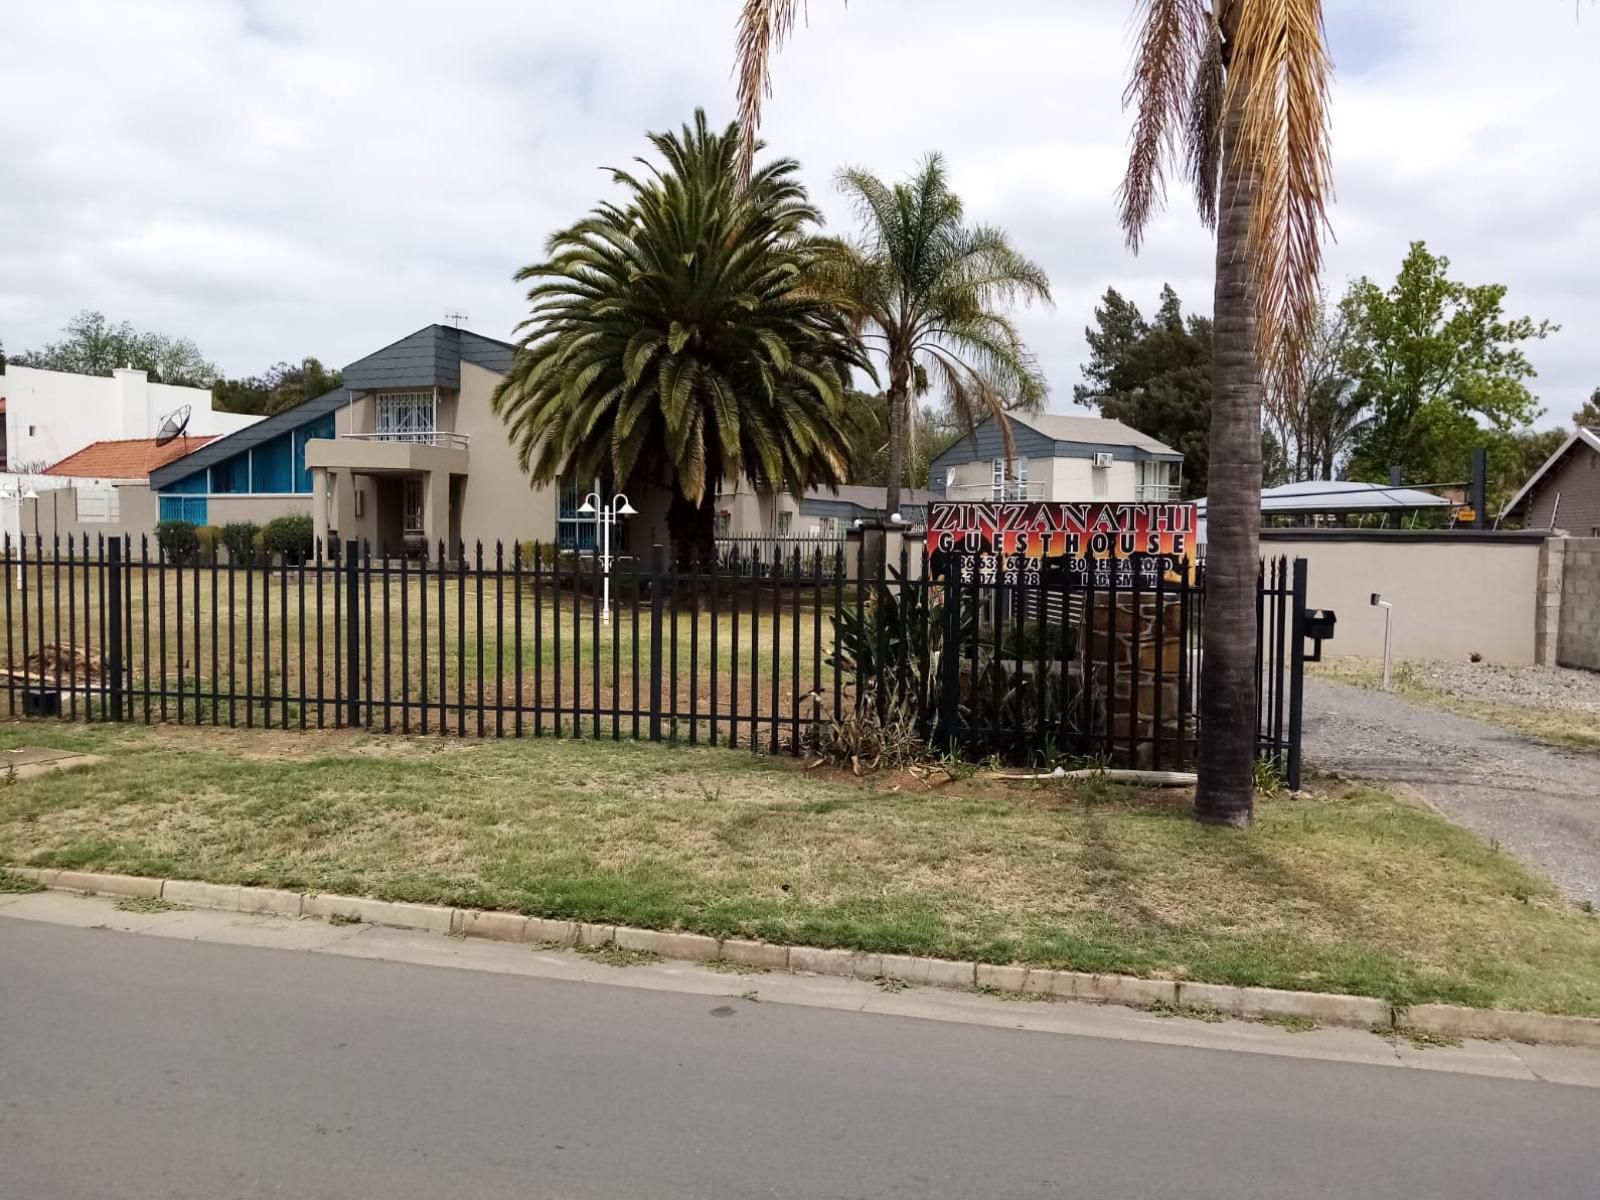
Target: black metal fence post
950	658
1297	674
657	567
114	624
352	633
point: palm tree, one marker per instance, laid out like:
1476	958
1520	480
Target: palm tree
926	292
669	338
1241	87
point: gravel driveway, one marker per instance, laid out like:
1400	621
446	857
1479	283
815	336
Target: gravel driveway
1539	802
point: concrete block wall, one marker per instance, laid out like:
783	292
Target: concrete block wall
1578	639
1547	613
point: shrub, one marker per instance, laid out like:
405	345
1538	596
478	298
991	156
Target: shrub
207	538
240	539
889	641
178	540
289	537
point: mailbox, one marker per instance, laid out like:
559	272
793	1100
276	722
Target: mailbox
1319	623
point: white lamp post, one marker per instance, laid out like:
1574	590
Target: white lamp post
606	515
18	496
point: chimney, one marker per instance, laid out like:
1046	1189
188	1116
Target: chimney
132	418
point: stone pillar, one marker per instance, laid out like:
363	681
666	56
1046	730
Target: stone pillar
1130	645
1547	616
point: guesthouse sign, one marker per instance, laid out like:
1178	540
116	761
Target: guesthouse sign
1100	545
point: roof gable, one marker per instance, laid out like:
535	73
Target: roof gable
263	430
1581	435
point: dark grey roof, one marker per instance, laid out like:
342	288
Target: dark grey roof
488	353
263	430
430	357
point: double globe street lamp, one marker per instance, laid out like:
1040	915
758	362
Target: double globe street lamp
606	515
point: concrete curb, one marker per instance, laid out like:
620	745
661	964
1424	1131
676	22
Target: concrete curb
1253	1003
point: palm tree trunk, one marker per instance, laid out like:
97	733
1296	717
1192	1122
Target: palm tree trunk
693	529
899	393
1228	681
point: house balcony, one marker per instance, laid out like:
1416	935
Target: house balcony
391	453
1158	493
1011	490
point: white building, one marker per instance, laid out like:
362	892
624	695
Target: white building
1057	457
51	414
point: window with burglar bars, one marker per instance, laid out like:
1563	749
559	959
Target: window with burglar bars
406	416
575	530
1040	669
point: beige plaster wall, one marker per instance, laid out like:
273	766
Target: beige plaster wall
1451	598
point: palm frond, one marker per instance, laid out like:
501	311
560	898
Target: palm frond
1278	76
1203	134
1164	61
763	26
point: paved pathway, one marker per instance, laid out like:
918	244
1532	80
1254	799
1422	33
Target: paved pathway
1541	803
146	1066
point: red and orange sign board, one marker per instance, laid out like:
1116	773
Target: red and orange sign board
1094	539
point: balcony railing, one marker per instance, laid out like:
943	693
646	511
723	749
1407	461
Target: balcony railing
416	437
1157	493
1012	490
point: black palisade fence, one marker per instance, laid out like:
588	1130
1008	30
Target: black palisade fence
518	640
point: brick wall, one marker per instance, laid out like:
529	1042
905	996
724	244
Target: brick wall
1579	641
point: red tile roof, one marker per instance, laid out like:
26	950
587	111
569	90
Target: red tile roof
131	459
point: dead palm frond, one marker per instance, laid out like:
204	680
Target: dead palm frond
763	26
1267	61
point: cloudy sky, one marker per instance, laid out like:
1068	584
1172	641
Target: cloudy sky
277	178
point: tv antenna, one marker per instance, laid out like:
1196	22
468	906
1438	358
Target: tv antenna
455	318
173	426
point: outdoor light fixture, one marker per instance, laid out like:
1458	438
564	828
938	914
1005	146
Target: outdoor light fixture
19	496
1388	633
606	515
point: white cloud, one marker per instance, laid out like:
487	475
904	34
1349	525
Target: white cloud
276	178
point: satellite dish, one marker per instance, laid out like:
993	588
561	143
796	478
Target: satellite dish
173	425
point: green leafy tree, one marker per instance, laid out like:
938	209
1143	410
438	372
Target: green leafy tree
1514	457
92	345
1589	415
672	336
930	293
1154	376
280	387
1433	361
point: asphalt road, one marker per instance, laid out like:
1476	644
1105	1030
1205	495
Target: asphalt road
135	1067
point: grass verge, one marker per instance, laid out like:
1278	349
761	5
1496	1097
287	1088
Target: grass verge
1349	892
